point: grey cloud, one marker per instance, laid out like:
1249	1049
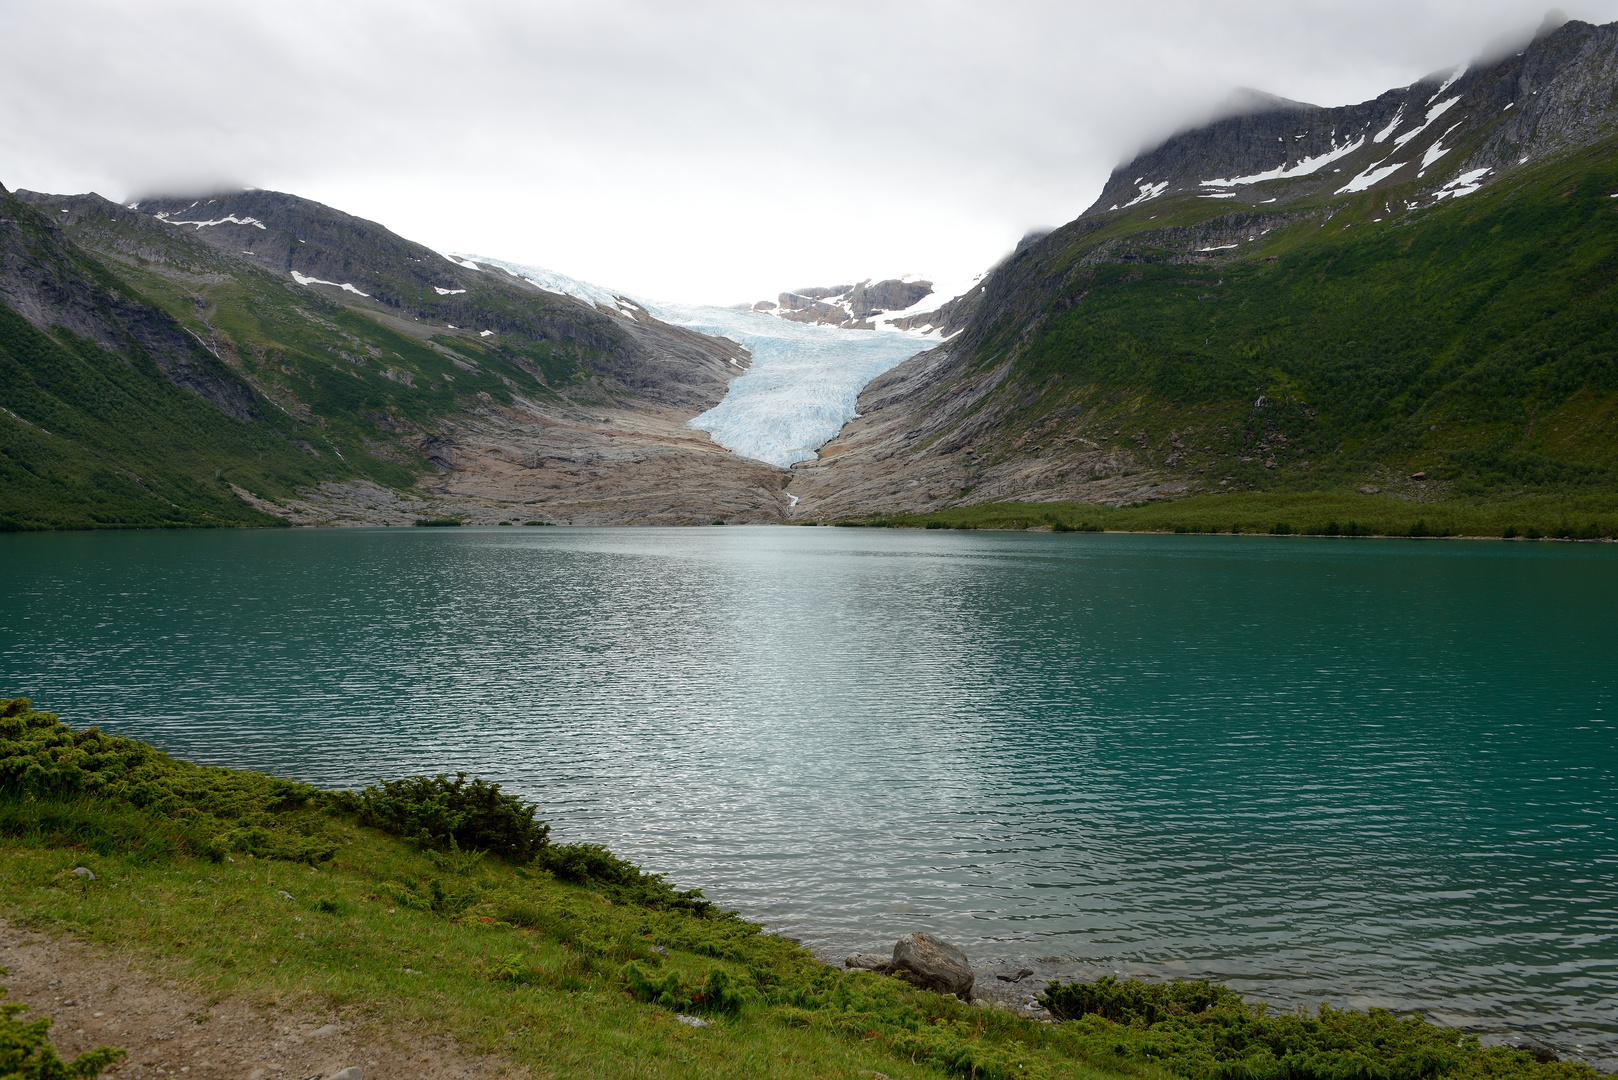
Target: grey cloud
718	150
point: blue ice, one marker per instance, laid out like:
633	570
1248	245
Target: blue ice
803	382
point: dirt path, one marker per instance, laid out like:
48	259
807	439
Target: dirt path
99	997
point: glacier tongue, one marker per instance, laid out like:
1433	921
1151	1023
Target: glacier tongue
804	379
803	382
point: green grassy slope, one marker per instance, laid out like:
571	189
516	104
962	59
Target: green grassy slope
95	435
91	439
313	383
98	435
1475	340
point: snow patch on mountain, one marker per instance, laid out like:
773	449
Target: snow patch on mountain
1432	114
228	219
1436	151
1148	192
1465	184
1449	82
614	302
1305	167
345	286
1393	125
1372	176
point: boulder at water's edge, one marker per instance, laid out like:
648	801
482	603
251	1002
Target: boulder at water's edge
933	964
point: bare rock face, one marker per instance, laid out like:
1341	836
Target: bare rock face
869	961
890	295
1532	1046
932	963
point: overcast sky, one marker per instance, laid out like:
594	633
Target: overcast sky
681	149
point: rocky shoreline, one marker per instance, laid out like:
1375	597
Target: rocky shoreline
931	963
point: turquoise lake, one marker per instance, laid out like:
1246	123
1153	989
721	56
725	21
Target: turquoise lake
1365	772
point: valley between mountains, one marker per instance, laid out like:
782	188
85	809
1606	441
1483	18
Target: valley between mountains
1408	302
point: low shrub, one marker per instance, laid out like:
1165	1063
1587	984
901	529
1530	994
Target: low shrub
1205	1031
445	814
112	793
619	879
1131	1001
718	993
26	1052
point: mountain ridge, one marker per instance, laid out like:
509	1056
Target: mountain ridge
490	400
1286	334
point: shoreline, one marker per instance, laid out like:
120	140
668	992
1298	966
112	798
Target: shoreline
343	906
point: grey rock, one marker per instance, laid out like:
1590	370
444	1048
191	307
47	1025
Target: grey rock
867	961
353	1072
83	872
322	1032
822	292
283	894
890	295
660	950
691	1021
932	963
1015	976
1530	1045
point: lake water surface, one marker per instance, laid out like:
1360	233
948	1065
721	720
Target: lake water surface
1369	772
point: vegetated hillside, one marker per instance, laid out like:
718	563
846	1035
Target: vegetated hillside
1298	325
362	377
112	413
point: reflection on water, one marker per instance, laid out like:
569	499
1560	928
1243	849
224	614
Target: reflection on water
1367	772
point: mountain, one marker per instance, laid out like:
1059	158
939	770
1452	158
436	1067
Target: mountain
892	303
1291	298
113	414
315	367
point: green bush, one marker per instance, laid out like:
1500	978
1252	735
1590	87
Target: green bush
663	989
717	994
1205	1031
472	815
112	793
619	879
27	1054
1132	1001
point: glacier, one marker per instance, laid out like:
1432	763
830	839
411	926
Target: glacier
803	382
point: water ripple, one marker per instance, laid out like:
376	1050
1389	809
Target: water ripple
1365	772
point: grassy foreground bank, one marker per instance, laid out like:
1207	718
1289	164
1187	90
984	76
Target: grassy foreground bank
1341	513
443	904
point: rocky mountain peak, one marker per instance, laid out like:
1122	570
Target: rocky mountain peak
1442	136
852	307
